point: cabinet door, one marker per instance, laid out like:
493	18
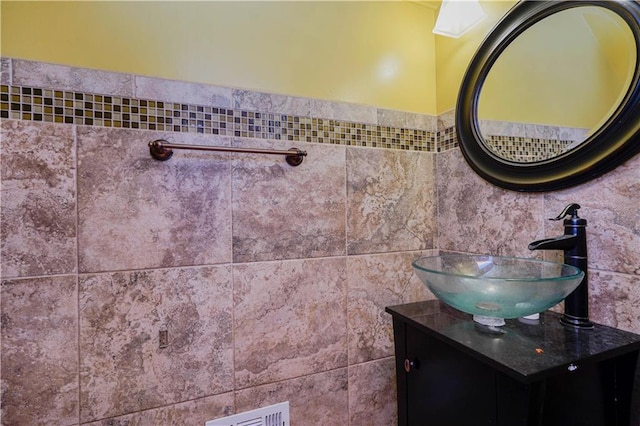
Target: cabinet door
593	394
446	386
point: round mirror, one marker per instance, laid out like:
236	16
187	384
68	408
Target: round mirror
551	97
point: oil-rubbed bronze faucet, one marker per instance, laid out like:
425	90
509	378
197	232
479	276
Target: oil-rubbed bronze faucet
574	244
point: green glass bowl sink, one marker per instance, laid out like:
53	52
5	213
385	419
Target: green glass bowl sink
493	288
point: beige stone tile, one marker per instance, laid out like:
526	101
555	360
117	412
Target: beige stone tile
136	212
391	200
38	212
614	300
540	131
475	216
375	282
5	71
372	393
407	120
123	369
610	206
502	128
317	399
447	119
62	77
344	111
285	212
289	319
195	412
40	351
271	103
183	92
575	134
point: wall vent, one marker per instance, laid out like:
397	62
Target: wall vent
273	415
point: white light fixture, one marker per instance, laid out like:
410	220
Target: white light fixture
456	17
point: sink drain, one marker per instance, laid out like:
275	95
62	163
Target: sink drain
488	306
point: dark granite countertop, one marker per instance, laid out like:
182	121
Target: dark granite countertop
528	351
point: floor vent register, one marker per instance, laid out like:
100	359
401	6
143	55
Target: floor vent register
273	415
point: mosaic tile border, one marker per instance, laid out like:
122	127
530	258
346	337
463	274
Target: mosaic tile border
447	139
90	109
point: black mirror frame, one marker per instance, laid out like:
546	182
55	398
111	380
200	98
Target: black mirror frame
612	144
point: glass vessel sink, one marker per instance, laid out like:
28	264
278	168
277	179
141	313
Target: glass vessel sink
494	287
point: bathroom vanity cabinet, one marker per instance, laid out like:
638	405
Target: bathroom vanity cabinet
453	371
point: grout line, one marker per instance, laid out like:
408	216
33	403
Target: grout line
436	192
10	71
232	266
77	269
233	339
345	188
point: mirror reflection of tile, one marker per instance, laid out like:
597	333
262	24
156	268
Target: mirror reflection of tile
525	143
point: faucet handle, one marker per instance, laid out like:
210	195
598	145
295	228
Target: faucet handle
571	209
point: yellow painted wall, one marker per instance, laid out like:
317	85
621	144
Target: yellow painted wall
453	55
366	52
372	53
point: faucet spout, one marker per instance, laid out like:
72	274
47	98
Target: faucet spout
563	242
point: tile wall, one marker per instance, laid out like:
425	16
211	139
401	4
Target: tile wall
270	280
475	216
478	217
